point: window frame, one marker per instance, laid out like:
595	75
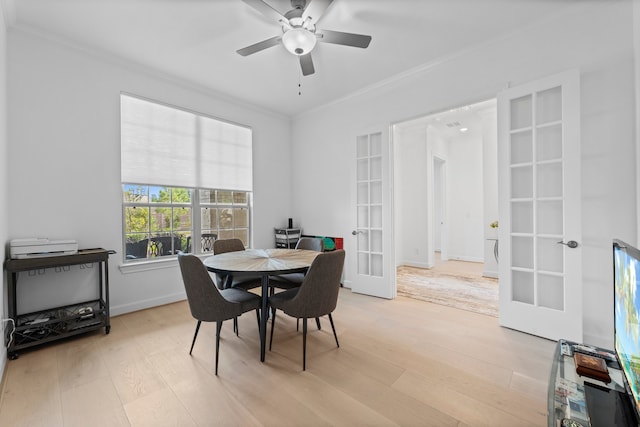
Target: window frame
196	206
206	150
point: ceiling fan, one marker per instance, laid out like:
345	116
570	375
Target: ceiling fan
299	33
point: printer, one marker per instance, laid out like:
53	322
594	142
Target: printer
40	247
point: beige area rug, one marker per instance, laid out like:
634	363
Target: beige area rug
477	294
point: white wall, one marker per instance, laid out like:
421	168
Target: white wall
595	37
411	196
4	175
63	110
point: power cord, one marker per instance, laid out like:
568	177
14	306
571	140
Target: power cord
13	329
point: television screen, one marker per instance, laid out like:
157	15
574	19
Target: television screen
626	272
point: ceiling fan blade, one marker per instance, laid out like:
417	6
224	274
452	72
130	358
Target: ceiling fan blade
315	9
264	44
347	39
266	10
306	63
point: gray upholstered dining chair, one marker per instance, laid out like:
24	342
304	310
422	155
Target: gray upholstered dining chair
293	280
244	282
317	296
208	304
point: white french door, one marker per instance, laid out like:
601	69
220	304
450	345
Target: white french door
373	263
539	207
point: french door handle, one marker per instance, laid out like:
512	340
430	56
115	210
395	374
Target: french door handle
356	232
571	243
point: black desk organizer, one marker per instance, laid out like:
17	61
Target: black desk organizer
55	323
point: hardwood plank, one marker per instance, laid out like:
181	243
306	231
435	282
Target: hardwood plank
94	403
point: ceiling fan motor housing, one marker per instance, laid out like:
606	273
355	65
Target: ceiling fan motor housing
298	4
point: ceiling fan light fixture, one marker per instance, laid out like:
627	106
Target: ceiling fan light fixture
299	41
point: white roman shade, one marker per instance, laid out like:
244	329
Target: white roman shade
168	146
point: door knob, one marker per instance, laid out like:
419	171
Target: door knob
571	243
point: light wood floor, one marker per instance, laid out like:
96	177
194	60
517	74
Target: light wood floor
463	268
400	363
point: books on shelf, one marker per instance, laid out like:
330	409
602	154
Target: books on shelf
592	367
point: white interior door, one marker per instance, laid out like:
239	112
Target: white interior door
374	266
539	207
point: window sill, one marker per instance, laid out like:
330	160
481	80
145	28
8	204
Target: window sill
156	264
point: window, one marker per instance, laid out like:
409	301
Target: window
183	175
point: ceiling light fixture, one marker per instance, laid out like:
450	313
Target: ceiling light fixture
299	41
464	129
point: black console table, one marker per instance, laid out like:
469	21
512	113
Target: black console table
55	323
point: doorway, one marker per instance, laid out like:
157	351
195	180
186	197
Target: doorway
445	221
446	185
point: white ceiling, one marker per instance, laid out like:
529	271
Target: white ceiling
196	40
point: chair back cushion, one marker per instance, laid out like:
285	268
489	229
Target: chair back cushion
227	245
205	302
318	293
310	243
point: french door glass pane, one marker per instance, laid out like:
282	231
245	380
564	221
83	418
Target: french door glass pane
522	286
376	192
522	251
549	217
551	291
376	168
363	216
522	217
363	193
376	216
521	147
376	241
376	265
363	241
550	255
521	109
363	263
362	146
363	169
549	180
549	143
521	182
549	105
376	144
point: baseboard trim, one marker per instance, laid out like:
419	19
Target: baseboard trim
464	258
413	264
149	303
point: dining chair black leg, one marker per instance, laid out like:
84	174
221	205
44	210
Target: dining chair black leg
304	344
273	324
194	336
318	323
334	330
235	325
258	317
218	328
